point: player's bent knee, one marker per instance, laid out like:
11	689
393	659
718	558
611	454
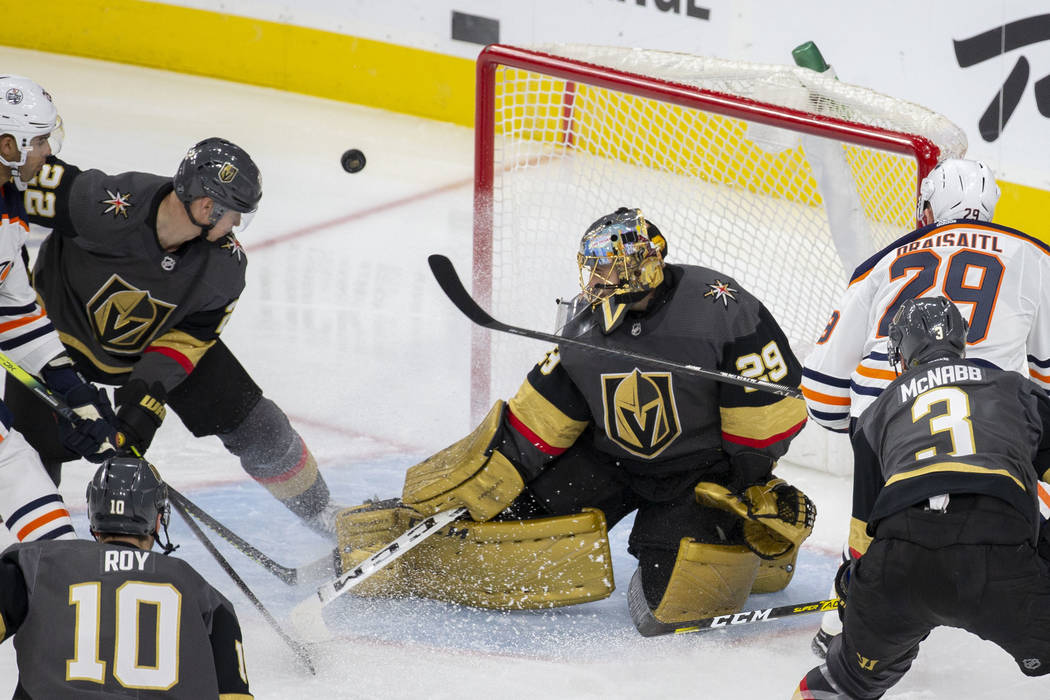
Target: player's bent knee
775	574
514	564
707	580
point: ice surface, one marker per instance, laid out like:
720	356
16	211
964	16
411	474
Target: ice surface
343	326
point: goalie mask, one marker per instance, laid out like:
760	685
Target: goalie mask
958	189
621	260
923	330
28	114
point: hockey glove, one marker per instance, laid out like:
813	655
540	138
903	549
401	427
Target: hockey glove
777	516
93	434
140	411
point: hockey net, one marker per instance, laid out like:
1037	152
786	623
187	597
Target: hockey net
781	177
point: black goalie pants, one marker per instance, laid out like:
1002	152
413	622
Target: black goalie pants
665	506
927	569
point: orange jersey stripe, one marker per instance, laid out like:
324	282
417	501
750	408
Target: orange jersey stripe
825	398
873	373
42	520
18	322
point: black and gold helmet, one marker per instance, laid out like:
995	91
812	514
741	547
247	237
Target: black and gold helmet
923	330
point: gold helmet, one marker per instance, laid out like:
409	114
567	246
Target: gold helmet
621	255
620	261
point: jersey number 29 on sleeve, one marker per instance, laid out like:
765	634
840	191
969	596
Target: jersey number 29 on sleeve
981	297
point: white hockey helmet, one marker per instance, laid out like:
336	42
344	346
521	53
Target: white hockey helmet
26	112
959	189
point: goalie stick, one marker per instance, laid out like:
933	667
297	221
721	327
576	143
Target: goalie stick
448	279
306	616
649	626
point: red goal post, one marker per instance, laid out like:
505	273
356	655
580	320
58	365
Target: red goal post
781	177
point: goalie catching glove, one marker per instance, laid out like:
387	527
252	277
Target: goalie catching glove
777	516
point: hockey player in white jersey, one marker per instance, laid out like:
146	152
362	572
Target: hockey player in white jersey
32	509
994	274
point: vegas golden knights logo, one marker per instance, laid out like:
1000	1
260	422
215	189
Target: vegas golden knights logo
125	318
640	412
227	172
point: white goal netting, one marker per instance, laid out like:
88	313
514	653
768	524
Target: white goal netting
781	177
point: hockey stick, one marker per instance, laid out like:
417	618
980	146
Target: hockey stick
309	573
306	616
649	626
42	392
62	409
448	279
300	649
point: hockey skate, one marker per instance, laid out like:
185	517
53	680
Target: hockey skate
323	522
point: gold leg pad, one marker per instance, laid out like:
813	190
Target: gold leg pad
707	580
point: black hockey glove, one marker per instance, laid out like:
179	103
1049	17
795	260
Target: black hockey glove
93	434
140	411
842	577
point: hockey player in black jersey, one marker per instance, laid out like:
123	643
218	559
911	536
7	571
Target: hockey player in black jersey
945	512
591	437
111	618
141	274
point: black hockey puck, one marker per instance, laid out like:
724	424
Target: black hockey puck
353	161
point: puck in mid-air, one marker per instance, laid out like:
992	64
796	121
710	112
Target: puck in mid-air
353	161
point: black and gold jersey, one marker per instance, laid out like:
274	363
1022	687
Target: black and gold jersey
658	421
947	427
113	621
119	301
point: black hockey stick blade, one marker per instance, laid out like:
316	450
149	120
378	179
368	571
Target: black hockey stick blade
448	279
313	572
649	626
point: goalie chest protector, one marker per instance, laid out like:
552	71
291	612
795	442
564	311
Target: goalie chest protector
644	412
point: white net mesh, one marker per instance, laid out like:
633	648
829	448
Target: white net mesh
788	215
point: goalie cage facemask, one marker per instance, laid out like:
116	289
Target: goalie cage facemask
26	112
959	189
620	261
223	171
925	329
125	497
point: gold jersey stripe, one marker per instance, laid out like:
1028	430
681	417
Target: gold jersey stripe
763	422
71	341
953	467
544	418
184	343
859	539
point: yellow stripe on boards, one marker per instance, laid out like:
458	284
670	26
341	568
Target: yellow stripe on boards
1024	208
253	51
401	79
